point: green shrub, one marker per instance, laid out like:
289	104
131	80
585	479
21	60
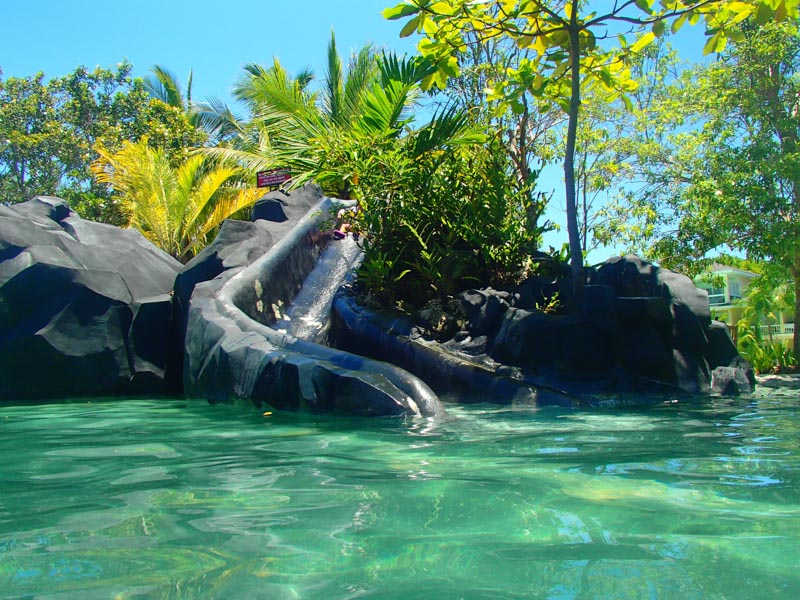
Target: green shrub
436	224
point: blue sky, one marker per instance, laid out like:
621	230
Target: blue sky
213	40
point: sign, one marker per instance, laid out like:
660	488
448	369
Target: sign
272	178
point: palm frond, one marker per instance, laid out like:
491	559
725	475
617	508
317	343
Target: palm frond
361	74
217	120
333	85
448	127
384	107
163	85
404	69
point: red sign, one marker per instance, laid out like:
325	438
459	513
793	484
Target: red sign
272	178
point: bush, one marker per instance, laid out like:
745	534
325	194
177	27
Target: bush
436	224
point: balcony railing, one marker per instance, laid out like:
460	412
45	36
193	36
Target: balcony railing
777	329
718	299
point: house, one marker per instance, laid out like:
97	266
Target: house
726	286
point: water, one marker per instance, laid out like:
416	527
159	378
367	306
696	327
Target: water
308	315
176	499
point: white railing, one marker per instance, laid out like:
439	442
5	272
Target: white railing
777	329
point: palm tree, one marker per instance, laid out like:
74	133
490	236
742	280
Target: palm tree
372	98
162	84
175	208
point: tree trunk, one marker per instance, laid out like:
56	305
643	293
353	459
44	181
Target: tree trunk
576	256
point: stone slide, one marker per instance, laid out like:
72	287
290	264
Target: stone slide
88	309
232	349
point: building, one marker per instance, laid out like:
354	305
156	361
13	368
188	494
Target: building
726	287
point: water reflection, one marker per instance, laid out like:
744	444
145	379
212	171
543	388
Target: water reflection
177	500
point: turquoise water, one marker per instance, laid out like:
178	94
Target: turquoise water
176	499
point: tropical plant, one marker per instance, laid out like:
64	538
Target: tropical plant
177	208
440	205
767	297
433	222
48	130
567	58
162	84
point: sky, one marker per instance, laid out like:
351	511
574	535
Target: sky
212	40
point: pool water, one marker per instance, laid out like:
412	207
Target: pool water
176	499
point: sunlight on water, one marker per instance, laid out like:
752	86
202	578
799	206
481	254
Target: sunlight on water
175	499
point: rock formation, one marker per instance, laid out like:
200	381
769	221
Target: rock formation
636	334
84	307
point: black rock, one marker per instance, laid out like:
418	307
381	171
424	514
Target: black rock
84	307
731	381
484	310
279	207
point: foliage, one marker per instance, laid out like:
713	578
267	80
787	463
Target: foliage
766	356
48	132
567	60
771	294
728	174
440	207
446	223
525	131
177	208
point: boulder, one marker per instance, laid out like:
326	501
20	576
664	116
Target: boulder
85	307
730	381
287	207
636	333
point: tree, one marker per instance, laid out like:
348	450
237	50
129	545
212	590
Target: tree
48	132
572	53
175	208
524	130
285	114
435	210
163	85
730	177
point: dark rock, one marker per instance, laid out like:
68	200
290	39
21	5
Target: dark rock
635	331
270	209
721	349
544	343
86	301
691	371
597	303
730	381
535	292
640	350
629	275
279	207
438	321
484	310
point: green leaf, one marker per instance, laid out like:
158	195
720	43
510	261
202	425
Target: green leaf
645	5
764	14
441	8
678	23
658	28
399	11
410	27
643	42
716	43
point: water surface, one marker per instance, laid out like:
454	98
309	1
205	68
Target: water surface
177	499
